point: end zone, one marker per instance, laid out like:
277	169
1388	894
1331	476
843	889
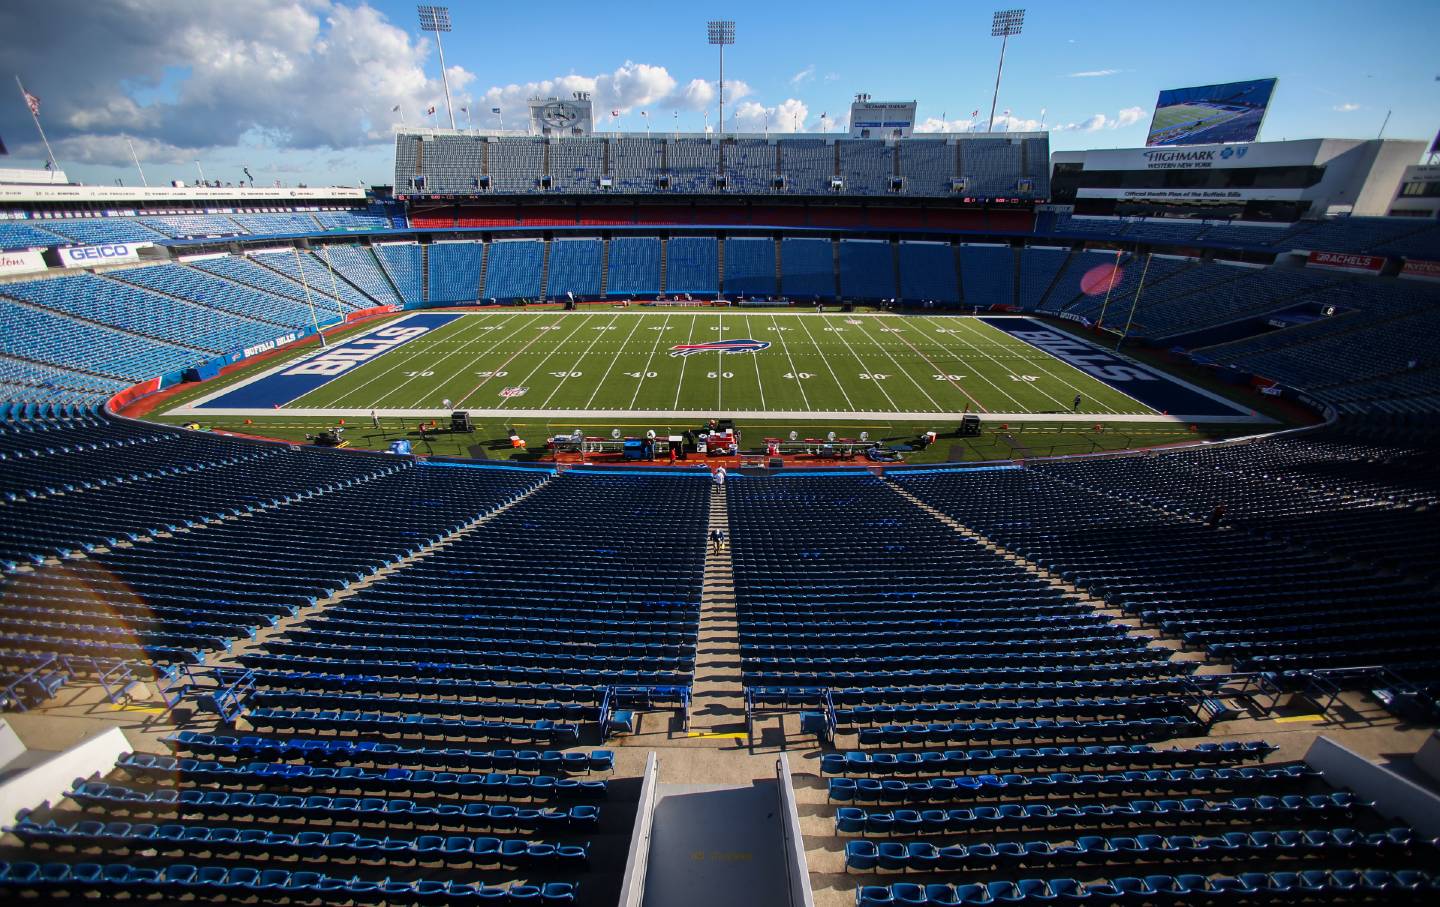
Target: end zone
1161	392
291	381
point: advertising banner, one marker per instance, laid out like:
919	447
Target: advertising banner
24	262
1346	261
109	253
1417	269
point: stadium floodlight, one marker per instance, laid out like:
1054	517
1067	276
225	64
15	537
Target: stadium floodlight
437	19
720	33
1007	22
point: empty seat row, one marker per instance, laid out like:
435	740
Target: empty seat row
206	882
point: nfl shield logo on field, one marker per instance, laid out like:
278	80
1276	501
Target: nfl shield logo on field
514	391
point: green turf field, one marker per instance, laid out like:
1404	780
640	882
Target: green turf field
619	362
1167	118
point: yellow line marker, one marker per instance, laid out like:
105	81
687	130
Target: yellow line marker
137	708
739	736
1290	719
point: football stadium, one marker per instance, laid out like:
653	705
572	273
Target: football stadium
852	515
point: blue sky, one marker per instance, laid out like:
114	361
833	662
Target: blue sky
302	90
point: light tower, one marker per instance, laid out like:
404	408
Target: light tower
437	19
721	32
1007	22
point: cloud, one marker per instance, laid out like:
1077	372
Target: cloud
287	74
1127	116
1093	73
1130	116
1003	123
197	78
805	75
935	124
1347	107
789	115
832	76
631	86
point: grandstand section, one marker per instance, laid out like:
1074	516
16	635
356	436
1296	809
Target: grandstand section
863	517
437	163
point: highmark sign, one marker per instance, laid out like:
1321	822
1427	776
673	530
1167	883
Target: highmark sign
1193	159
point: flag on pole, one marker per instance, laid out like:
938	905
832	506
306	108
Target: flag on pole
430	111
464	109
614	113
33	103
395	109
494	109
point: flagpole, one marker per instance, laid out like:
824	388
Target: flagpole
35	115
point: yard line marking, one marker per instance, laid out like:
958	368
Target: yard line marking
501	366
598	334
1025	359
1038	363
940	371
828	367
755	357
659	338
477	356
980	373
839	332
614	359
429	349
902	368
798	383
680	382
720	368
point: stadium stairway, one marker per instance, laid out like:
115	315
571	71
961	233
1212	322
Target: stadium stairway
718	699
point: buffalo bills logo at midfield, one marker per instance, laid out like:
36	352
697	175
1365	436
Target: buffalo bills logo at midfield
720	346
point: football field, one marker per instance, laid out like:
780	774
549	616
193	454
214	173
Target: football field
1167	118
690	363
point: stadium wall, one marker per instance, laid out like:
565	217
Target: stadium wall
1359	177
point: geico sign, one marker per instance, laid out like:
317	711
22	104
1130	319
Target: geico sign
89	256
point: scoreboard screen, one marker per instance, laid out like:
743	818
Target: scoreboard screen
1210	114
